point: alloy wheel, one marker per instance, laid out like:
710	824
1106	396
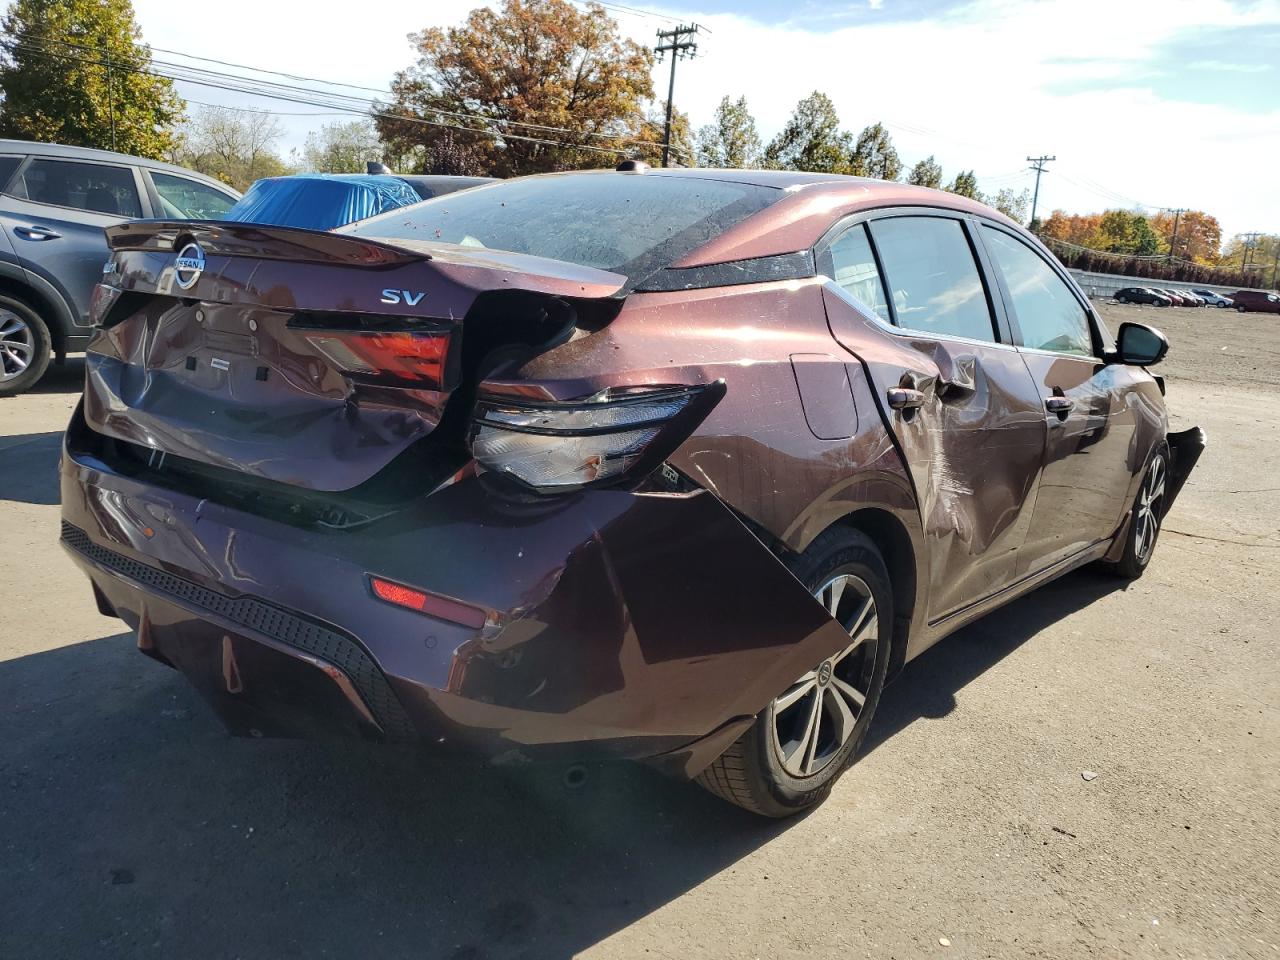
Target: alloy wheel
17	345
820	712
1150	507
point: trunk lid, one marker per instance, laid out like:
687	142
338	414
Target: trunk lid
306	358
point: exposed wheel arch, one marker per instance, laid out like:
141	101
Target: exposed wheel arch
53	317
893	541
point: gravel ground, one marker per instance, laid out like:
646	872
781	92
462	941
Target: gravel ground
132	826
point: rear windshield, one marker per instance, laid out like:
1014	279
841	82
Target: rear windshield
632	224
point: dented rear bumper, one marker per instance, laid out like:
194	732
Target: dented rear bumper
632	625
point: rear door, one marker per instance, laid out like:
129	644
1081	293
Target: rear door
55	215
1086	404
910	300
177	196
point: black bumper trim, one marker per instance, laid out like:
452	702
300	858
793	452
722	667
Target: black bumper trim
267	619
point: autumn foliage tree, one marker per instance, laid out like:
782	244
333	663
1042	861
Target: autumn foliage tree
1199	235
74	71
530	86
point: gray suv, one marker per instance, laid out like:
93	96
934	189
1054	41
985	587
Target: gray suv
54	203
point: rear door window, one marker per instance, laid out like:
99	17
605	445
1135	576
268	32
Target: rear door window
95	187
1049	315
853	267
8	166
189	199
933	277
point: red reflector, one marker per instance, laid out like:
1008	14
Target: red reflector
403	355
429	603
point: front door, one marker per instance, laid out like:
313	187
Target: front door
1088	405
960	401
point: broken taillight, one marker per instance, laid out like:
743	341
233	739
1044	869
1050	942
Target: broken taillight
556	446
408	356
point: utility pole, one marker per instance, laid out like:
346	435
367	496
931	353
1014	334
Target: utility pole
1250	244
1177	215
678	45
1037	164
111	99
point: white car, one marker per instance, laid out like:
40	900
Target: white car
1213	299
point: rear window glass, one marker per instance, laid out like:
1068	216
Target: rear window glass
7	167
96	187
186	198
632	224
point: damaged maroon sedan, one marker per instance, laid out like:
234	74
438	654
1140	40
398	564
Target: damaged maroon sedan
676	466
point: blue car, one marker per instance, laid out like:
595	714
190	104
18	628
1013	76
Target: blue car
322	201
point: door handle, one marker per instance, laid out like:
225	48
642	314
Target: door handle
1059	405
34	232
904	398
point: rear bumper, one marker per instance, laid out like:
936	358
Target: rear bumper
632	625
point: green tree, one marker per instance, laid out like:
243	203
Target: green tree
874	155
926	173
1124	231
811	140
74	71
342	147
731	140
1012	204
547	63
965	184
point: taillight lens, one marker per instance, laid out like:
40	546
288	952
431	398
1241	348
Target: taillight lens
559	446
411	357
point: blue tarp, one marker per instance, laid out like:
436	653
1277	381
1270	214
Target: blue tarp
318	201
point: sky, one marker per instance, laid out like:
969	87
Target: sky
1153	103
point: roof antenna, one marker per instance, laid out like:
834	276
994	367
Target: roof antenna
373	167
632	166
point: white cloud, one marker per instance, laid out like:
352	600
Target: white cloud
980	87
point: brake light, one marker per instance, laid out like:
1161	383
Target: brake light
432	604
410	356
556	446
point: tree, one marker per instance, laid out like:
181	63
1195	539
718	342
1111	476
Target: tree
874	155
1012	204
811	140
74	71
1199	235
649	134
342	147
236	146
1074	228
926	173
1124	231
530	87
731	140
966	185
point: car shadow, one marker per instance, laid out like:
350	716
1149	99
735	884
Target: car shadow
927	686
130	822
64	377
29	467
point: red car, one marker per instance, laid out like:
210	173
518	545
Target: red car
677	466
1256	301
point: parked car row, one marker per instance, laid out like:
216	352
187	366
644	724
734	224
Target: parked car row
56	201
1165	297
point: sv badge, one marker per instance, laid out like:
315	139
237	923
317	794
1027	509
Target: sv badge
411	299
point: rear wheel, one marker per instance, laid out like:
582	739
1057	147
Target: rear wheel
1122	299
25	346
1240	309
1144	520
801	742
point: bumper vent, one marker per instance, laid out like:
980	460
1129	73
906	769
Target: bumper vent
264	618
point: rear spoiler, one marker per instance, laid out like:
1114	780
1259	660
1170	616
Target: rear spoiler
475	267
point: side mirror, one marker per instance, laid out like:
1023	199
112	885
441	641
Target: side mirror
1140	345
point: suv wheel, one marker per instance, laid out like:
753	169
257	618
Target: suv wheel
801	742
25	346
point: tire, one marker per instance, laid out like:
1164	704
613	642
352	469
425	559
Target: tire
25	346
1122	299
758	773
1145	519
1240	310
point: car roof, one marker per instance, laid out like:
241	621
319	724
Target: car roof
64	151
812	203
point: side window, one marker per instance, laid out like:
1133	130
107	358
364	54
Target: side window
189	199
853	267
933	277
1048	313
8	165
96	187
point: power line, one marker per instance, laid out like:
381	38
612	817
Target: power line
272	90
